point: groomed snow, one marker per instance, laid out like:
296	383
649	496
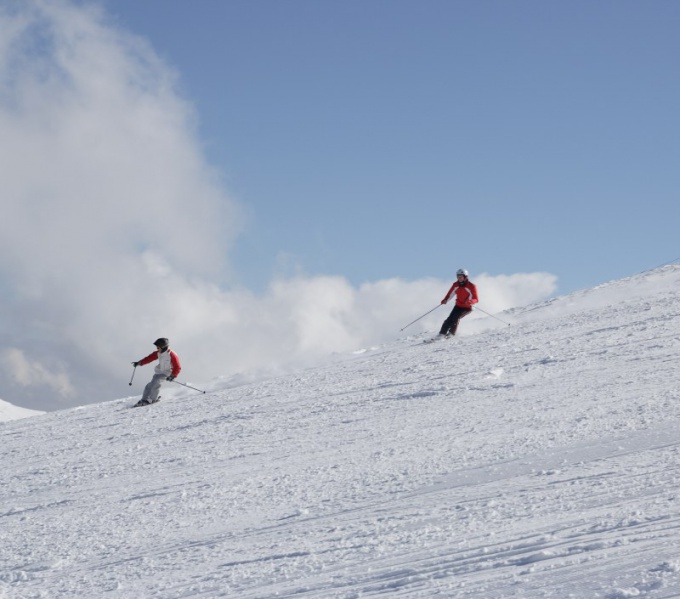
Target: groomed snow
539	460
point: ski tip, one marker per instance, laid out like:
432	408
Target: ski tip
437	338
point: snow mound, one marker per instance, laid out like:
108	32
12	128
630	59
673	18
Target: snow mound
9	411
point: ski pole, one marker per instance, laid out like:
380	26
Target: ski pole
133	376
492	316
190	387
423	316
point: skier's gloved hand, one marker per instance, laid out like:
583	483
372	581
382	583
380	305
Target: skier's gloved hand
443	302
171	378
135	364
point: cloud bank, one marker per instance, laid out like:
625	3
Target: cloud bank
116	230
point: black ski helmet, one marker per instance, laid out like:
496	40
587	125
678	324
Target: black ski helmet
161	343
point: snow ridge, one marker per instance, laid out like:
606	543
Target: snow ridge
537	460
9	411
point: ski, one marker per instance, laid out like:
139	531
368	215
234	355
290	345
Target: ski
437	338
139	404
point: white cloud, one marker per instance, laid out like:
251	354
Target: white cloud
26	373
501	292
116	231
104	185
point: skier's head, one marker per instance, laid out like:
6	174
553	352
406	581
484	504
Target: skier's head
462	273
162	343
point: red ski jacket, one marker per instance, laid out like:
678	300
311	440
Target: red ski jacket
168	362
466	294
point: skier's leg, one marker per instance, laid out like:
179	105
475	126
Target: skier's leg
152	388
450	324
446	325
460	313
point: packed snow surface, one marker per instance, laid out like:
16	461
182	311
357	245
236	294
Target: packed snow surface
540	459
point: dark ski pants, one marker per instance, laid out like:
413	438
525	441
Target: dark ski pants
450	325
153	387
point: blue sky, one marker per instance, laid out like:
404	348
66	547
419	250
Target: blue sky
402	138
267	183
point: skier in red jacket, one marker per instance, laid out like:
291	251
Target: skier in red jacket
466	297
167	369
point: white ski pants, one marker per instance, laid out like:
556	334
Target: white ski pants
153	387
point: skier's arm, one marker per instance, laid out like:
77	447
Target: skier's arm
475	298
448	295
174	363
150	358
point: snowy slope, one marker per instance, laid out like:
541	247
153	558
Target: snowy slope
537	460
9	411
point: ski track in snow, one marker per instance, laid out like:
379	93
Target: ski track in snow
539	460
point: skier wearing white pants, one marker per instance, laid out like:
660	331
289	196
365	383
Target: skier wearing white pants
167	369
